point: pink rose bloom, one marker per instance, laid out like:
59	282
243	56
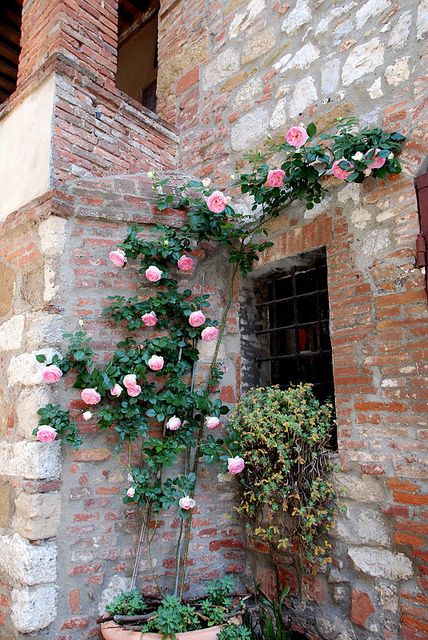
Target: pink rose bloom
51	374
338	171
131	492
46	433
130	380
149	319
185	263
186	503
116	390
156	363
86	415
377	162
118	257
153	274
212	422
173	423
235	465
209	334
90	396
227	200
134	391
275	178
367	172
296	136
196	319
217	202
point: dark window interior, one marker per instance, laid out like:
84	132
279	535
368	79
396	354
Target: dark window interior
10	37
293	326
137	55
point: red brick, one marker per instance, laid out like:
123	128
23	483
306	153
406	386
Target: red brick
361	607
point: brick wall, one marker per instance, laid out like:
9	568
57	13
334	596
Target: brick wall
229	73
240	71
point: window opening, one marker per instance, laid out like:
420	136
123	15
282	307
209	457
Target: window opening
137	55
293	326
10	39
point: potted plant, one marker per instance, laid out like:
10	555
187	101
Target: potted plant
146	393
218	615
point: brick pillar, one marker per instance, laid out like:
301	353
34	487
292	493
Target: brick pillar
85	31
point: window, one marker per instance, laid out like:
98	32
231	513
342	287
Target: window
292	326
137	50
10	37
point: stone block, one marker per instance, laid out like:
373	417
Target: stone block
25	563
33	609
29	401
32	287
363	526
250	129
11	332
37	515
5	504
222	67
24	368
7	287
381	563
52	235
259	45
363	59
300	15
398	72
44	329
370	9
30	460
303	58
304	94
364	489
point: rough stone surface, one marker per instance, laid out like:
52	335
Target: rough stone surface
303	58
32	460
11	332
29	401
304	94
300	15
369	10
33	609
25	563
52	235
7	286
363	489
250	129
24	368
37	515
381	563
5	503
361	607
226	63
363	59
398	72
363	526
116	585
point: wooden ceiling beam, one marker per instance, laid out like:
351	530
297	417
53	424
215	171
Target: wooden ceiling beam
152	10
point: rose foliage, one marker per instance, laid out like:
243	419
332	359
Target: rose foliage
145	392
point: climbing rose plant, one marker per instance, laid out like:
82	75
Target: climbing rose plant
146	394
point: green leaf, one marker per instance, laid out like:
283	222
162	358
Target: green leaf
311	129
40	357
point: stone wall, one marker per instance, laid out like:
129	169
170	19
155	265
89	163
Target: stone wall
230	73
242	70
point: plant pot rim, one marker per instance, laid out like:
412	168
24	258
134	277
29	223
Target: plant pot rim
112	631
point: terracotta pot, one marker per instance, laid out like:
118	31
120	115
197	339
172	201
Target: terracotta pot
112	631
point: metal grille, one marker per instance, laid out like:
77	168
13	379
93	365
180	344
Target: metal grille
293	327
